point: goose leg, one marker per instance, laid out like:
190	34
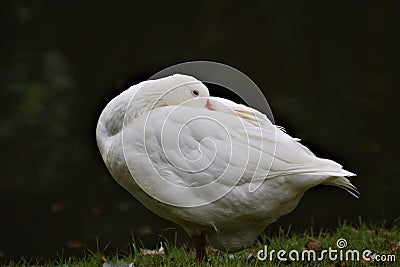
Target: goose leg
200	246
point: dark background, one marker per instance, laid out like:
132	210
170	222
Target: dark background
329	71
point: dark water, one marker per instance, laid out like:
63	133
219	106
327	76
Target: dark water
329	72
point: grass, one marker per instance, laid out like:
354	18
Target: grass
380	239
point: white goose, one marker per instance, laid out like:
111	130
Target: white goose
219	169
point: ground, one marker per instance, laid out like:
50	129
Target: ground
379	242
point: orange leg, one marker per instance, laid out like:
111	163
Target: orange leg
200	246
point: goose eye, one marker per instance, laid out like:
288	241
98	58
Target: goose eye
195	92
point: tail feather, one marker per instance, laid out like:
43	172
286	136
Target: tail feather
343	183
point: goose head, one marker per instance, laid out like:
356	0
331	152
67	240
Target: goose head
173	90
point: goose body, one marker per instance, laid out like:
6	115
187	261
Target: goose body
219	169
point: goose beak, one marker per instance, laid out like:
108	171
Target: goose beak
209	106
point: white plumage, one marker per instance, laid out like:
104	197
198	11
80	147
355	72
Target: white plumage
219	169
